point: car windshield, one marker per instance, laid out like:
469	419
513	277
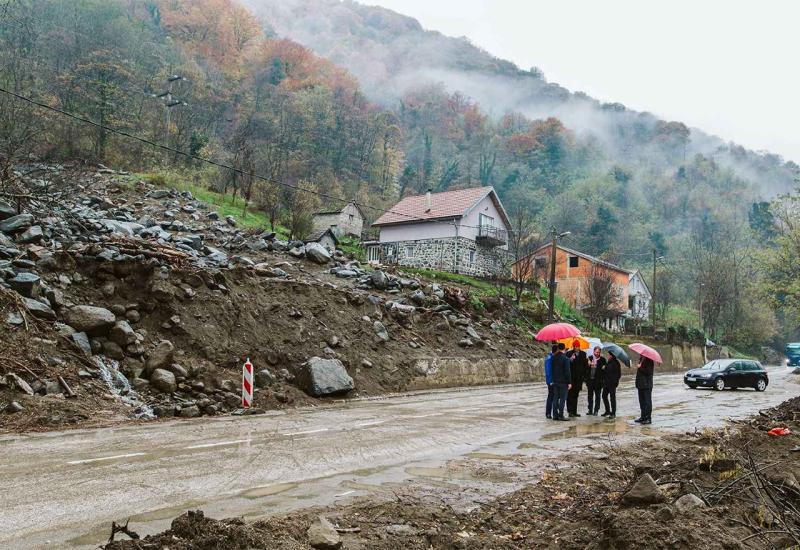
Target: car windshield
715	365
795	348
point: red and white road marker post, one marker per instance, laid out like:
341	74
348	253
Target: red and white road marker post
247	384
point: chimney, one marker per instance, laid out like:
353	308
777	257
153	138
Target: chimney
428	201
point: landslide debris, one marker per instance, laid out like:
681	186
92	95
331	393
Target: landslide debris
146	302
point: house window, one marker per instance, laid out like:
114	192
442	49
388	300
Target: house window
631	302
409	252
573	261
471	257
352	217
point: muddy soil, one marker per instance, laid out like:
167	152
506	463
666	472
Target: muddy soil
281	323
745	479
36	351
214	313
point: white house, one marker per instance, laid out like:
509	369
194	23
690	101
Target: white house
639	297
463	231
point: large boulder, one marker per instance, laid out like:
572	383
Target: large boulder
643	492
27	284
380	331
163	380
215	255
192	411
688	502
17	223
321	377
323	535
39	309
82	341
128	229
33	234
317	253
160	357
122	334
264	378
379	279
90	319
7	211
19	383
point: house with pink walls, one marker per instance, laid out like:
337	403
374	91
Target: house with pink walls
462	231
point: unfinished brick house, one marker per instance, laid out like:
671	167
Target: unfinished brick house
586	282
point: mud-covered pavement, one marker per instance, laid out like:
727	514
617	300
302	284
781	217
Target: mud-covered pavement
64	489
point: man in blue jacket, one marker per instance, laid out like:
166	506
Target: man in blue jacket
562	381
548	379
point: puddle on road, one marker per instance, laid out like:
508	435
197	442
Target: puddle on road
675	405
587	430
580	430
522	446
369	487
366	472
492	456
443	473
268	490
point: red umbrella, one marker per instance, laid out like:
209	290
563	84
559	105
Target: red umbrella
557	331
647	351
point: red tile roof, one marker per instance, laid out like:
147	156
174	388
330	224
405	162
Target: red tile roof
450	204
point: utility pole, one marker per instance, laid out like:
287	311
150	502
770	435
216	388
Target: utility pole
654	300
551	298
170	101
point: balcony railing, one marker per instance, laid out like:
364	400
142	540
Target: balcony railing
492	236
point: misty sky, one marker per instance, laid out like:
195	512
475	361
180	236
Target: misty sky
729	67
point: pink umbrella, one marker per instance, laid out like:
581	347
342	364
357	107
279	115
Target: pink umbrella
647	351
557	331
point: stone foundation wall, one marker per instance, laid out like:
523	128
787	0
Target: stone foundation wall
454	254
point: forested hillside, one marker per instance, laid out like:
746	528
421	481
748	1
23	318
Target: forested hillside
392	54
210	79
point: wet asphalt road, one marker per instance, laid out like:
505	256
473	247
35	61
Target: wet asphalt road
63	489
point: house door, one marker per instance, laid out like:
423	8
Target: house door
374	254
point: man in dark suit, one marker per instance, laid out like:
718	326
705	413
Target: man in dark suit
578	365
560	372
644	386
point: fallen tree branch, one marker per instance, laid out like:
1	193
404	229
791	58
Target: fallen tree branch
118	528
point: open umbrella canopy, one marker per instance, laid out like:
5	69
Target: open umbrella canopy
583	343
647	351
593	342
618	352
557	331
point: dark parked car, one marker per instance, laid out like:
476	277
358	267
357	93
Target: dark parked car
728	373
793	354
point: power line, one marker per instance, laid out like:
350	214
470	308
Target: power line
217	163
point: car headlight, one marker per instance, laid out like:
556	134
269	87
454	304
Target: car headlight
707	375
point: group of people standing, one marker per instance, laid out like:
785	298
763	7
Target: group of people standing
567	371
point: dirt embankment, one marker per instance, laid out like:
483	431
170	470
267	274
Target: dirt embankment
146	303
724	489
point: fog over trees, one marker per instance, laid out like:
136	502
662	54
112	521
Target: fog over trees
364	104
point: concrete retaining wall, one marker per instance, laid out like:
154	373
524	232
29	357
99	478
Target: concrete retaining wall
677	358
442	372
